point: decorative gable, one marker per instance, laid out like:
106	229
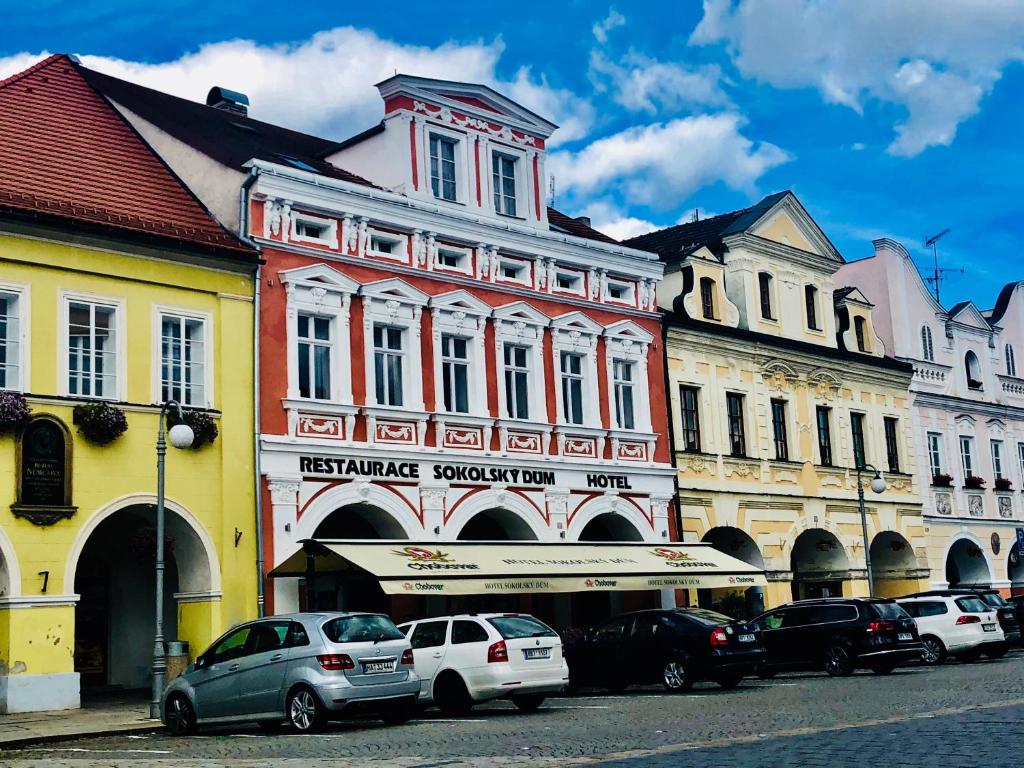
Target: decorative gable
394	289
788	222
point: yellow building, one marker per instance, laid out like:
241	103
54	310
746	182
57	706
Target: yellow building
116	288
779	388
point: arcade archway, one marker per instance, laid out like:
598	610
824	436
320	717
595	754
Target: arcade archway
497	524
966	565
609	526
893	565
820	565
740	603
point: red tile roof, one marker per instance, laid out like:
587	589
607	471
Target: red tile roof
67	154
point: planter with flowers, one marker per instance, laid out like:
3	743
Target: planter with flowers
942	481
1003	484
100	423
204	428
14	412
974	482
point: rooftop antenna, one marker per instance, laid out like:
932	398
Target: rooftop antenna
551	189
695	216
938	273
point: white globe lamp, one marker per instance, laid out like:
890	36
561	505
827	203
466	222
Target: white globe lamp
181	436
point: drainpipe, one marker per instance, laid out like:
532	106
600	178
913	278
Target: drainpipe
243	228
671	428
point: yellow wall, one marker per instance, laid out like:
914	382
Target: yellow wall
213	483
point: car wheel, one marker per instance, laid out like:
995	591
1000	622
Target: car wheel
179	715
934	652
401	712
883	669
997	651
838	662
676	677
729	681
529	703
451	695
305	712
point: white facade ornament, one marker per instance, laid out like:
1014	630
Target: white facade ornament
419	248
283	492
362	241
271	218
350	235
445	115
593	285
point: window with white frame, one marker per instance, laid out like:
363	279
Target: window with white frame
503	176
183	360
936	457
574	345
619	291
388	364
570	282
455	372
1011	361
571	371
313	229
967	455
927	344
517	381
309	230
314	356
996	449
92	349
388	245
1020	458
453	258
442	167
10	340
514	270
623	381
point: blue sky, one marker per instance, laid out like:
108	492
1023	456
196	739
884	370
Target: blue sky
897	119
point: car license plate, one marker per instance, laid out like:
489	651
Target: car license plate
745	638
989	627
376	667
536	653
904	636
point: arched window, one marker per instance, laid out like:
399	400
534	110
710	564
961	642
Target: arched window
811	303
707	298
973	369
1011	361
765	284
927	345
860	329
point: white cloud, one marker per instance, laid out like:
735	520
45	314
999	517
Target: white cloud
661	164
643	84
607	217
324	85
935	58
607	24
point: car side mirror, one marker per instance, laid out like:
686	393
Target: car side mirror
201	662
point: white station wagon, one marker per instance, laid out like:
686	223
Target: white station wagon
962	626
471	658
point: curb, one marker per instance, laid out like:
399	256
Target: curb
17	743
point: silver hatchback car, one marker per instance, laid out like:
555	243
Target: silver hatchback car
303	668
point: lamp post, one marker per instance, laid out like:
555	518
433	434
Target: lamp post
878	485
181	436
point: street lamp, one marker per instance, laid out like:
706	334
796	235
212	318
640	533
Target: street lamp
878	485
181	436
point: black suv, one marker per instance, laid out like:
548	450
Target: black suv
674	647
1009	618
838	635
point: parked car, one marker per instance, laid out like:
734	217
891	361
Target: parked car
304	668
963	626
674	647
838	635
1008	617
471	658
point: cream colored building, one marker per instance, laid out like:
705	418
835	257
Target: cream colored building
778	384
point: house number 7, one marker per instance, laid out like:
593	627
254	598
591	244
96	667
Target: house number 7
46	580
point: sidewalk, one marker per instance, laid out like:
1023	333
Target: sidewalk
112	714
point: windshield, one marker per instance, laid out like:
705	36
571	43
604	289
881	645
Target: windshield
707	618
517	627
361	629
971	605
891	611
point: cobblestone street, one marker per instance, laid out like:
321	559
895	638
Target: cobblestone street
956	715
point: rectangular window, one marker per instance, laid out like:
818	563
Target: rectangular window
503	171
380	245
568	282
619	291
691	419
10	341
572	387
811	302
455	373
779	430
92	350
183	360
314	356
442	167
892	443
388	362
936	460
707	298
997	458
857	429
310	230
765	286
517	376
452	259
734	410
967	456
623	375
1020	458
824	419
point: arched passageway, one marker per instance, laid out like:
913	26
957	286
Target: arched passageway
609	526
820	565
966	565
740	603
893	565
496	524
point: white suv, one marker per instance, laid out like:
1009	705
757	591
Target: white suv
467	659
959	625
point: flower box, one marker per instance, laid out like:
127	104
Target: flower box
14	411
942	481
1003	484
973	482
100	423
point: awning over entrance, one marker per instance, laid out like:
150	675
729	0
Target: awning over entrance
470	568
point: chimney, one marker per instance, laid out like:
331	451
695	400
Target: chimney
584	220
229	101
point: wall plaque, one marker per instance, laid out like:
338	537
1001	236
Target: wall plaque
44	472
